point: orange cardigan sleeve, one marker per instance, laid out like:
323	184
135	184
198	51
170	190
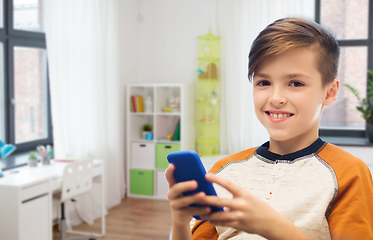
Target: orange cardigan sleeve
203	230
351	215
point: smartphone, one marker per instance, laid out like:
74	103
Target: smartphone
188	166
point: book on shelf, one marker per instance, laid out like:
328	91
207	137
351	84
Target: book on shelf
176	135
133	103
137	103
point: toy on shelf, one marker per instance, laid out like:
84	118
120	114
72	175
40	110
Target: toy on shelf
148	105
175	102
174	105
167	109
146	129
149	136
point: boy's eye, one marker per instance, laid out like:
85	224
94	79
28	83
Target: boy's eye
263	83
296	84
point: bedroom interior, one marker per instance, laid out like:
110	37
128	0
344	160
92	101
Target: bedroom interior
94	56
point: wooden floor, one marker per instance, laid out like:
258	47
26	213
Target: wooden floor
133	219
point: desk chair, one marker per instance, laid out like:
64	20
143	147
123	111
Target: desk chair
76	180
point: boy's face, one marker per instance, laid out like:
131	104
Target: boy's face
289	96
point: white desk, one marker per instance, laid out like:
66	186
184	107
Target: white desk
26	200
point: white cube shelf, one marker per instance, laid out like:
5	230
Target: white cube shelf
141	153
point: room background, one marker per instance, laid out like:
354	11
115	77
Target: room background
97	47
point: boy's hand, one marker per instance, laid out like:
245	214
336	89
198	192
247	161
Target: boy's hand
249	214
181	212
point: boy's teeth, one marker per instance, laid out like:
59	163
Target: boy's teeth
280	115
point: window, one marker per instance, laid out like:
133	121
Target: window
25	107
28	15
351	21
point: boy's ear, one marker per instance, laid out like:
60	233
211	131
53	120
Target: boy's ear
331	95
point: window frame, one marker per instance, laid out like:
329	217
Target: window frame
11	38
335	132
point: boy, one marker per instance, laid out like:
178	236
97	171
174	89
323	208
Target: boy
295	186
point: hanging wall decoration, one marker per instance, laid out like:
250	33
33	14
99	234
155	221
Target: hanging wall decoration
208	95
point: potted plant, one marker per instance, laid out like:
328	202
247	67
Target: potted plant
32	159
366	105
146	128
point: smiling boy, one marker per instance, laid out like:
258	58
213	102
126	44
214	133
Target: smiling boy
295	186
289	97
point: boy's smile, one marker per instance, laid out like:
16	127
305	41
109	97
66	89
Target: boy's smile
289	98
278	116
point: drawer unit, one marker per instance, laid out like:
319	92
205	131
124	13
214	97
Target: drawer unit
142	155
162	150
34	219
34	191
142	182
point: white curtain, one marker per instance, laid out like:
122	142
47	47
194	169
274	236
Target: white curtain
239	22
86	92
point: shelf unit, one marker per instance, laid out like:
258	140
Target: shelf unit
146	159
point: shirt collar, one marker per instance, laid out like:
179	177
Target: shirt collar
313	148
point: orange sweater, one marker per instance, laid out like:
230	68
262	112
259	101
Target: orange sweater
322	189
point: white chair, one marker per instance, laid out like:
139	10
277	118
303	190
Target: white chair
76	180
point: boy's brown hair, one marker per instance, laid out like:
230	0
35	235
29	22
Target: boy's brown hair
289	33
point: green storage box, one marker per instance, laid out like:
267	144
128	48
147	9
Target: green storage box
142	182
162	150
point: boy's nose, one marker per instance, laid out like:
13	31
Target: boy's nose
277	98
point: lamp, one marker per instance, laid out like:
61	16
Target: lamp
6	149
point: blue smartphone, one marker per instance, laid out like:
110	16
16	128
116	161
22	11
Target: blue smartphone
188	166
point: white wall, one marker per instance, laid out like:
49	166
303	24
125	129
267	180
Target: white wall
160	38
167	39
129	38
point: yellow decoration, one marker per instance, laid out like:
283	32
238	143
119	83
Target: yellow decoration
167	109
208	95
